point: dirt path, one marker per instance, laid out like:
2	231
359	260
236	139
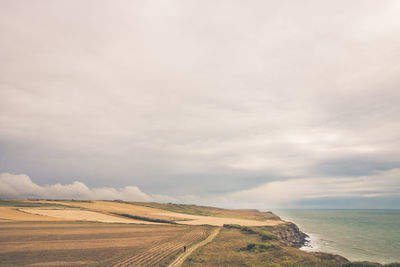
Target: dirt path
181	258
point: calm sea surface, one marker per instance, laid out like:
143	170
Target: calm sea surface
371	235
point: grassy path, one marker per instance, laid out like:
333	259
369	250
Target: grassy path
181	258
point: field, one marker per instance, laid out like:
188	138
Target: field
241	217
115	233
217	221
233	247
14	214
82	244
105	233
248	214
81	215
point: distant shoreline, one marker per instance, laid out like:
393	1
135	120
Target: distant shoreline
356	234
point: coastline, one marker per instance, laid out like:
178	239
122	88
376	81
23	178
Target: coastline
309	244
291	234
357	235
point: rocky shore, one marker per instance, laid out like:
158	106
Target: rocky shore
290	234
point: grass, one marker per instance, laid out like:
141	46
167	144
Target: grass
254	246
180	208
264	234
29	204
235	247
144	218
250	214
260	247
369	264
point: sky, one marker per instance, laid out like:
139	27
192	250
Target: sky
239	104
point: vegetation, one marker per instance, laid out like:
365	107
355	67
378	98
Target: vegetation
264	234
235	246
369	264
260	247
143	218
29	204
32	241
254	246
250	214
181	208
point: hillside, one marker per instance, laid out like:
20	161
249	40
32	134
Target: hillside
251	214
116	233
142	213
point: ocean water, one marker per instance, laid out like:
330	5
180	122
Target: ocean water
358	235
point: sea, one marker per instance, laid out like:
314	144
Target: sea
358	235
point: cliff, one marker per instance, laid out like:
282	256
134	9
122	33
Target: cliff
290	235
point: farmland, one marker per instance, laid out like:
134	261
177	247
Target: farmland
81	215
106	233
14	214
115	233
156	211
81	244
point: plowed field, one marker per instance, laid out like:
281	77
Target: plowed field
80	244
159	253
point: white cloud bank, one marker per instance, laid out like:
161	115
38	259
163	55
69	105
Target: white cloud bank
276	194
21	186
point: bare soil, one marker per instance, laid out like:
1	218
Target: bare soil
81	215
81	244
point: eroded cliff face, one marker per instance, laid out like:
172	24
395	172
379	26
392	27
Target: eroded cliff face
290	235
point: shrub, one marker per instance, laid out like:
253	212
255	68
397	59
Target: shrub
248	230
267	235
258	247
361	264
232	226
144	218
251	246
241	228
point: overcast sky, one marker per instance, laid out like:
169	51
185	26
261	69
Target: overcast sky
258	104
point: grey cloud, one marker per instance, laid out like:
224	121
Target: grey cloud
198	98
356	166
384	202
314	191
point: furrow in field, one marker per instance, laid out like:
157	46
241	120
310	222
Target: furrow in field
178	246
146	254
155	254
165	252
142	254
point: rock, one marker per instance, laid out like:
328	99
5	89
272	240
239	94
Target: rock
290	235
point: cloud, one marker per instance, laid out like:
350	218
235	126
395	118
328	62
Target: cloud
198	98
289	192
275	194
21	186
